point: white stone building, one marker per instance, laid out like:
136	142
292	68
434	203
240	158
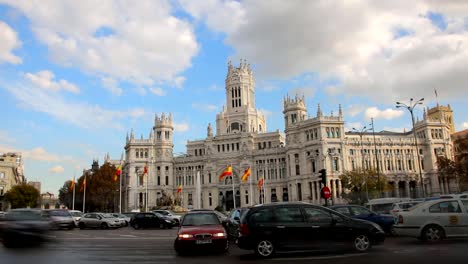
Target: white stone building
289	161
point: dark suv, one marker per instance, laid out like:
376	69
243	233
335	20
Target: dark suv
302	226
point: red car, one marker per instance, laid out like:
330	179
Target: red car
201	230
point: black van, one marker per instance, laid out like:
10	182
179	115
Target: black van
302	226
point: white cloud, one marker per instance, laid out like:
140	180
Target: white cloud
266	113
112	86
45	80
140	43
350	125
38	153
137	112
5	137
205	107
158	91
80	114
465	125
387	114
179	81
354	110
8	42
181	127
56	169
361	46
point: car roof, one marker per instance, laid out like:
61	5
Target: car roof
201	211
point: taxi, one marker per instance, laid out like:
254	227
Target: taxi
434	220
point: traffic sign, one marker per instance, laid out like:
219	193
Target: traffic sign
326	193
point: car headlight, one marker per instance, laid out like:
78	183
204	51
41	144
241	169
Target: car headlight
185	236
219	235
167	221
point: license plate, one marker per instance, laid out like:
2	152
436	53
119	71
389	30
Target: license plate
206	241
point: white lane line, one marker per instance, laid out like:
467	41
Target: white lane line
319	257
127	236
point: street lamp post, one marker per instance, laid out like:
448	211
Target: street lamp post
361	133
410	108
376	158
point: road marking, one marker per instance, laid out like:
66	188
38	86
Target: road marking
127	236
319	257
115	238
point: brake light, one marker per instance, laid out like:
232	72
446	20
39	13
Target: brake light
400	219
244	230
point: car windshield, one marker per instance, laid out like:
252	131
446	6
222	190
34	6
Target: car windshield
159	214
59	213
108	216
200	219
76	214
163	212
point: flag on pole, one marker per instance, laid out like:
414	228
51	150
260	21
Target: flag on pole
117	173
72	184
145	170
179	190
83	185
246	175
260	183
226	172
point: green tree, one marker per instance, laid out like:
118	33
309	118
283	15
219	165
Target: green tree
66	194
22	195
355	189
458	168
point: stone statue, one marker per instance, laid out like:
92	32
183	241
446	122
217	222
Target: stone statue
209	131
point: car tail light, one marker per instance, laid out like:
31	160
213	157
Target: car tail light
400	219
244	230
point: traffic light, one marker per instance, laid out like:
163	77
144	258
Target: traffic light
323	176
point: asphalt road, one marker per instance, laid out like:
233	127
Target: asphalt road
126	245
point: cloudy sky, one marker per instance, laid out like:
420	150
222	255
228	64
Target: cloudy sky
77	76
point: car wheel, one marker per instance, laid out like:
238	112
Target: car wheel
136	226
82	226
126	223
361	243
432	233
265	248
104	226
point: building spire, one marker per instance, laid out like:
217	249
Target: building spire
319	111
340	111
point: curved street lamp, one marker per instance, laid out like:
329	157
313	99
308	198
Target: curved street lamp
412	104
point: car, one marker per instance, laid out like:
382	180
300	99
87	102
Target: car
76	216
290	226
233	222
221	216
355	211
201	230
151	220
98	220
124	220
459	195
59	218
130	214
169	214
21	227
170	220
384	205
403	206
434	220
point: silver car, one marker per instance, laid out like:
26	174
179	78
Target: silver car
98	220
124	220
59	218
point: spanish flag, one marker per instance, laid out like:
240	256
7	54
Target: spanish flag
179	190
72	184
83	185
117	173
226	172
260	183
145	170
246	175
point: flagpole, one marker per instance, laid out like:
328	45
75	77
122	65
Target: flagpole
84	194
250	187
146	198
74	187
233	188
120	185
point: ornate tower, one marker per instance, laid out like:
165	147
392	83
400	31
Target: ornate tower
443	114
162	151
294	111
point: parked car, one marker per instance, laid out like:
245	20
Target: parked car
434	220
22	227
403	206
201	230
124	220
269	228
222	217
355	211
232	223
59	218
151	220
76	216
130	214
98	220
168	213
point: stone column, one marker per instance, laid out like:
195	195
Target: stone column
340	189
333	189
317	190
407	189
396	188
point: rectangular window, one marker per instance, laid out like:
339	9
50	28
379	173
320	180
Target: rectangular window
218	148
313	166
298	171
209	177
237	145
167	180
159	180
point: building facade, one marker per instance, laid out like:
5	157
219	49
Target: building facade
11	174
289	162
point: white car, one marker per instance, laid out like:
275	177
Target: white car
124	220
76	216
403	206
434	220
